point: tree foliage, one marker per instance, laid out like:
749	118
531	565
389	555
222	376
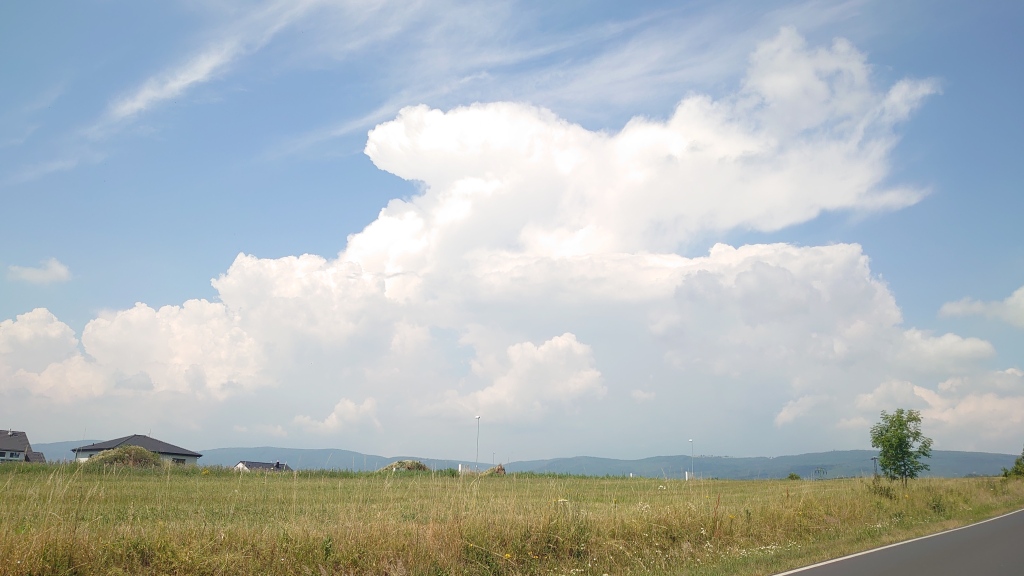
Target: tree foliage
901	444
1018	468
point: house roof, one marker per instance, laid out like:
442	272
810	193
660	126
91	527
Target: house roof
151	444
14	441
265	465
32	456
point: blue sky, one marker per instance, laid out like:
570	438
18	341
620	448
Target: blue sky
603	228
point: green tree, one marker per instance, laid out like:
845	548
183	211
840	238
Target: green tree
901	444
1018	467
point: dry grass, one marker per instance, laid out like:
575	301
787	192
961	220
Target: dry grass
69	520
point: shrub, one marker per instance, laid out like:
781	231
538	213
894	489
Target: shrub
793	476
879	489
131	456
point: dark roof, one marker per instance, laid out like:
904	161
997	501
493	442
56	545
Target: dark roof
151	444
276	466
32	456
14	441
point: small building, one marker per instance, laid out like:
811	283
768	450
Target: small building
15	447
250	466
170	452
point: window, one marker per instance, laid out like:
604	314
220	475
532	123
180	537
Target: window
3	454
178	460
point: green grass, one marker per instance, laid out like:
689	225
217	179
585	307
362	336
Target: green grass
69	520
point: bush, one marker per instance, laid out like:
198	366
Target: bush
793	476
131	456
879	489
1018	468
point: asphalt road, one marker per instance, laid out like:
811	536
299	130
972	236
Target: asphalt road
989	548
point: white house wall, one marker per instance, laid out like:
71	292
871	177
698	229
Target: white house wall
84	456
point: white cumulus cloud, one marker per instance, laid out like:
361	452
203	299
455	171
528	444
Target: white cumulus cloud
528	379
540	269
345	413
796	408
34	340
713	166
197	347
969	415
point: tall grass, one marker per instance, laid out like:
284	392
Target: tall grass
70	520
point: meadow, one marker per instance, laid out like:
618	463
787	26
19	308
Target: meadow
65	519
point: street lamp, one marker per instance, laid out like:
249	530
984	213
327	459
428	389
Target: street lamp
691	457
477	443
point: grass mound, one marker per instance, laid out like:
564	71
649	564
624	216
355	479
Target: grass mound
132	456
498	470
405	465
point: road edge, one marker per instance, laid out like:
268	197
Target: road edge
847	557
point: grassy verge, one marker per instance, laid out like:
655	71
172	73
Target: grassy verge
70	520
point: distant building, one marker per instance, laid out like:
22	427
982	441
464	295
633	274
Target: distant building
14	447
249	466
170	452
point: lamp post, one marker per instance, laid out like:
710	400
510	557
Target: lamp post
691	457
477	461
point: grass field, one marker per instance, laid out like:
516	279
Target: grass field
67	520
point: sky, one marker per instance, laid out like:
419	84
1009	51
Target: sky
604	228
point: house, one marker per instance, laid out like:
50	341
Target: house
170	452
249	466
14	447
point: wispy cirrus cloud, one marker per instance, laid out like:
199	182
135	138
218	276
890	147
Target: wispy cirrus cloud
234	41
198	69
455	53
603	70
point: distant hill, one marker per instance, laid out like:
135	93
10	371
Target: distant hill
835	464
317	458
57	451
